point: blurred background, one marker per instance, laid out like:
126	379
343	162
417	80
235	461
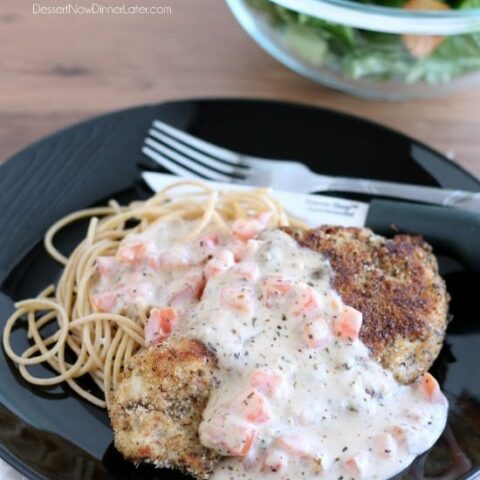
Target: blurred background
59	69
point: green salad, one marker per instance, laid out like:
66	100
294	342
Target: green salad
384	56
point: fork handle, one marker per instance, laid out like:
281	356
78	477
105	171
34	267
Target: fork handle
434	195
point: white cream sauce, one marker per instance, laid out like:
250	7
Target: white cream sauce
298	399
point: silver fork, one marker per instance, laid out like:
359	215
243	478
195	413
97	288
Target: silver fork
188	156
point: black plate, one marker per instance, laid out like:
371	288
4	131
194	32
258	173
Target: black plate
53	434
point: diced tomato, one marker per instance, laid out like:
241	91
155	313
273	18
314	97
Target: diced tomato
209	242
197	281
245	229
132	253
275	461
160	324
385	445
107	266
245	443
182	298
238	298
414	414
398	432
348	324
306	300
409	437
247	270
316	332
190	290
275	288
265	382
227	435
252	407
295	445
357	464
430	388
175	258
242	250
103	302
222	261
154	261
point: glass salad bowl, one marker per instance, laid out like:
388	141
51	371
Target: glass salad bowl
376	49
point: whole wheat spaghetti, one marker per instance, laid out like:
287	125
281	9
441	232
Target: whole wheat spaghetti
101	343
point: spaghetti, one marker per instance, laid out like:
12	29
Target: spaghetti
101	343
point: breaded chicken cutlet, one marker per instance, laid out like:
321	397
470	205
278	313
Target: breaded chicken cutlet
157	407
396	285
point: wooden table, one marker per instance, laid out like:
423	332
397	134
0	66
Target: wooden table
57	70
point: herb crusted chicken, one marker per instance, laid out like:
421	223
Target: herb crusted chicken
158	404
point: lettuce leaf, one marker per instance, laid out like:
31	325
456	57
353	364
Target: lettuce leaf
455	56
359	53
469	4
307	43
341	37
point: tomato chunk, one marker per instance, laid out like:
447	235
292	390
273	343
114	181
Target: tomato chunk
244	443
209	242
176	258
348	324
227	435
247	271
306	300
385	445
160	324
265	382
431	389
196	280
409	437
107	266
222	261
295	445
275	288
242	250
238	298
132	253
357	464
252	407
245	229
103	302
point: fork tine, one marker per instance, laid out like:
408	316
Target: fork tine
168	164
185	162
214	151
194	154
